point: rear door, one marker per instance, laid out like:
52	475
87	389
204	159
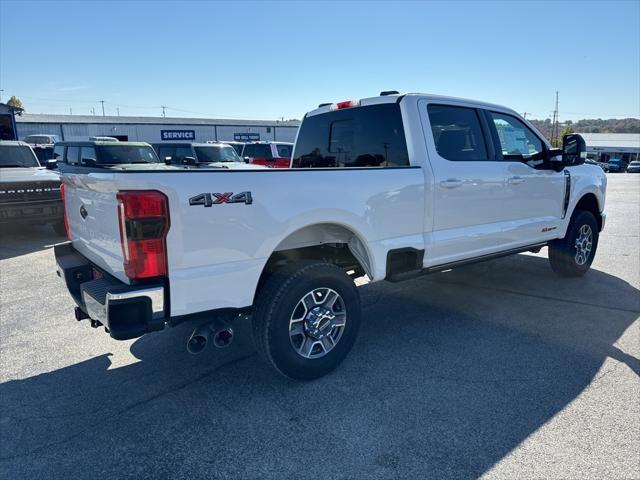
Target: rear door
469	191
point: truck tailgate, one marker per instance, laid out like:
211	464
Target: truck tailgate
92	215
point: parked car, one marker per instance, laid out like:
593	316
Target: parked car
238	146
29	194
119	155
41	139
419	184
615	165
103	139
602	165
201	155
269	154
633	167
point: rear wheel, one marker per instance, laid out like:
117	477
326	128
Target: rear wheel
306	319
572	255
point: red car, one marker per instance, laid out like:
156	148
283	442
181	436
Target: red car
269	154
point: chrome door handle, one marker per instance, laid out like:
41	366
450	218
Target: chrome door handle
451	183
516	180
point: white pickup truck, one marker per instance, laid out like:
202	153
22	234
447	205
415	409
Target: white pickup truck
392	186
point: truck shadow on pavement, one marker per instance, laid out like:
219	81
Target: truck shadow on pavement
450	373
17	241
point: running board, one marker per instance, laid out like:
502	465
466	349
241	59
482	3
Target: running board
399	277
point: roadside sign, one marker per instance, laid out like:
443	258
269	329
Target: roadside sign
246	137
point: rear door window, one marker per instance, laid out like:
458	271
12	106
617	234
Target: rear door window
371	136
58	153
262	150
249	151
284	150
88	156
72	155
457	133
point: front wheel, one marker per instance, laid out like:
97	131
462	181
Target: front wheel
306	319
572	255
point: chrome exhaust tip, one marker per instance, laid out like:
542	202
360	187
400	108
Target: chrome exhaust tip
198	340
222	338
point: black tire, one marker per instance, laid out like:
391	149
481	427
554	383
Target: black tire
59	228
564	253
275	305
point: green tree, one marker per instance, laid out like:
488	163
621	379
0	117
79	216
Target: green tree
15	102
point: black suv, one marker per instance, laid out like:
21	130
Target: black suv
29	194
105	153
199	154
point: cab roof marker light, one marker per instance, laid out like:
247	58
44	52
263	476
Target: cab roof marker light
345	104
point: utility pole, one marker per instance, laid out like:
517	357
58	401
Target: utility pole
118	110
524	115
163	107
555	130
102	102
1	90
93	111
70	111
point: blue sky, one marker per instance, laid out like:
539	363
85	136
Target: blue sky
266	60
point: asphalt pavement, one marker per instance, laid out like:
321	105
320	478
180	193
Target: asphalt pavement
498	370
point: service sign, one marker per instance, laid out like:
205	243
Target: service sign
246	137
178	135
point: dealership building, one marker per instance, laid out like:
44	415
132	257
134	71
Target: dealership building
606	146
155	129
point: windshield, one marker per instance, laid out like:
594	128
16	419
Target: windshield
38	139
115	154
17	156
217	154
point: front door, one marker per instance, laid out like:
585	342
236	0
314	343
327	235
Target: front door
469	193
534	192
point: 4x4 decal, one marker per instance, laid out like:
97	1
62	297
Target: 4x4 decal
210	199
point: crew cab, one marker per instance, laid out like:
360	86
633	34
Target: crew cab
390	187
29	194
208	155
269	154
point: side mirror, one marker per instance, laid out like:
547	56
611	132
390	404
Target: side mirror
88	162
51	164
167	160
574	150
246	159
189	160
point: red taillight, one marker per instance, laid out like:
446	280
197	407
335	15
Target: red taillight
144	223
345	104
64	210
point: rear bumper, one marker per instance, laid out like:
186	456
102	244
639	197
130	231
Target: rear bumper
32	212
126	311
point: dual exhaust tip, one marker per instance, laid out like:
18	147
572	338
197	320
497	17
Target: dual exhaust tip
219	332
